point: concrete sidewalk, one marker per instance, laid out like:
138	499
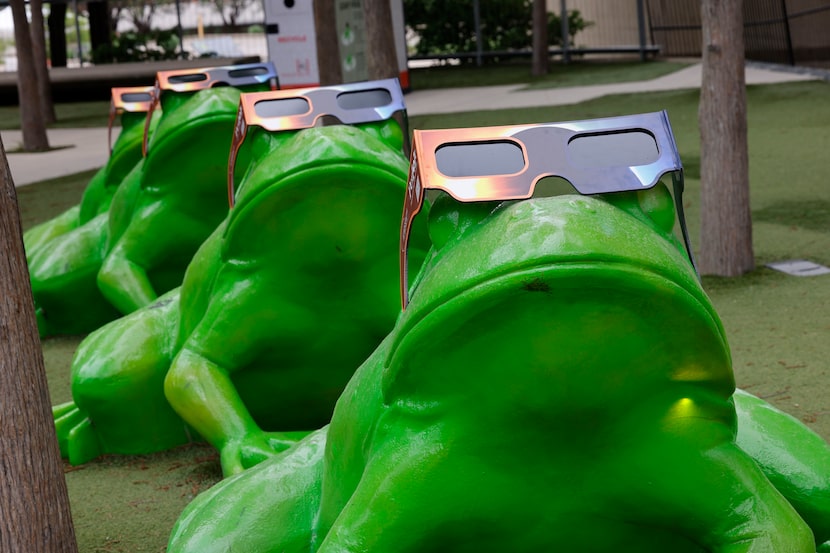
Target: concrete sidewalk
87	148
513	96
77	150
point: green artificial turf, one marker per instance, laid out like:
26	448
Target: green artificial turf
41	201
577	73
69	116
776	324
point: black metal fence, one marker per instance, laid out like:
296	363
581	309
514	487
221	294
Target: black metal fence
793	32
481	29
779	31
144	29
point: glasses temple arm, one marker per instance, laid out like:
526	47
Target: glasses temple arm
677	186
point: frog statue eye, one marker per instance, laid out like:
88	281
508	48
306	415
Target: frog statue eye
654	206
449	219
658	204
388	131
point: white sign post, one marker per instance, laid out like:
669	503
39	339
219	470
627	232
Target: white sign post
289	28
292	46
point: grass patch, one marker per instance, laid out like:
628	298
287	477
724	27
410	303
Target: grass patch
41	201
584	73
807	214
74	115
773	321
681	105
577	73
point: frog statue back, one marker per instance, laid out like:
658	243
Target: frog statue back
163	209
558	380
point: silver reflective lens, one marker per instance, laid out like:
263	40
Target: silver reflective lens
362	99
281	108
189	78
247	72
618	149
131	97
479	159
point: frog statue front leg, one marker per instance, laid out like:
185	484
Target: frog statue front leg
112	371
65	253
180	200
296	315
559	381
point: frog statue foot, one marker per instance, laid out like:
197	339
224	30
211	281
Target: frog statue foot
559	381
111	371
76	436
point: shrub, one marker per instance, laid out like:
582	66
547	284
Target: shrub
506	25
135	46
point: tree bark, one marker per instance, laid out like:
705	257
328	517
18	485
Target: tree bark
726	219
57	34
328	52
381	53
31	114
540	38
99	24
34	503
44	84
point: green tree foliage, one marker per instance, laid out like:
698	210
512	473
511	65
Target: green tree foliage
575	24
446	27
132	46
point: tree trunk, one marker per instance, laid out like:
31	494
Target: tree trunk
34	503
44	85
726	220
31	114
540	38
99	24
328	52
57	34
381	53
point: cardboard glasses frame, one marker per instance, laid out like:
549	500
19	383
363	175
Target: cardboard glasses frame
547	150
191	80
302	108
134	99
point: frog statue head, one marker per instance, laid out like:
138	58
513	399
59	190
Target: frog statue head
558	379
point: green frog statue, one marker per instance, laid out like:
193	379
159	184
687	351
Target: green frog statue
278	307
138	242
64	253
130	106
558	381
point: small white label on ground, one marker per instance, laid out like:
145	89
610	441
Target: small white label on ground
799	267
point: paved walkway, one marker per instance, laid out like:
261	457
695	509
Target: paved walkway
88	147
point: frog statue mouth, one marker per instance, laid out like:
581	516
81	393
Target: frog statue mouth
542	291
322	182
313	149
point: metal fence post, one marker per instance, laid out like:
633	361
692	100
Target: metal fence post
790	52
179	30
566	32
477	23
641	27
78	33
